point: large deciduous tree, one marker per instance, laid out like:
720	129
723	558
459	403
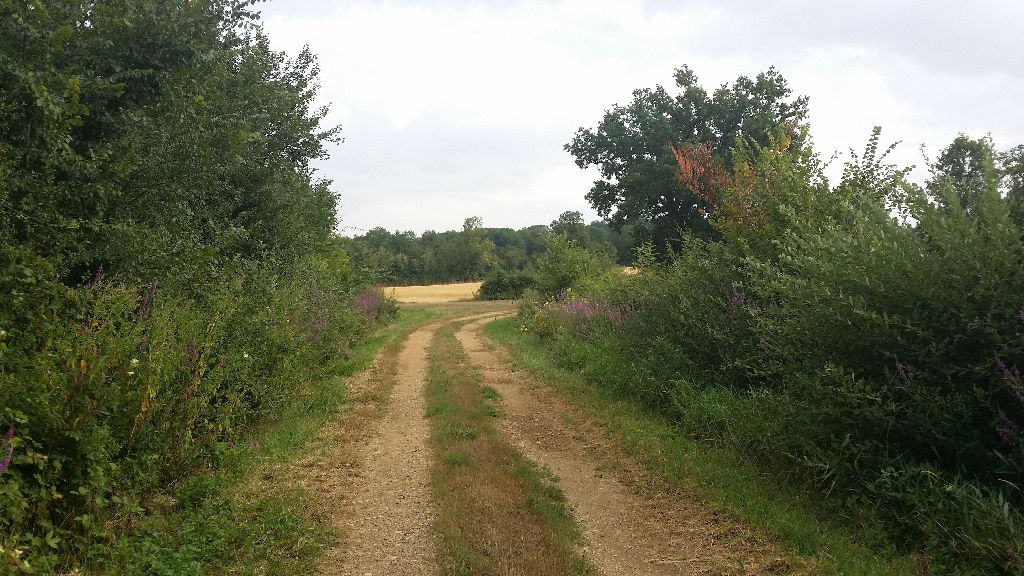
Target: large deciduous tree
1012	162
632	147
159	140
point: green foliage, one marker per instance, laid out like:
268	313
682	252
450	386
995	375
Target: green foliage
158	141
137	388
863	339
502	285
566	264
967	167
223	536
474	252
1012	172
722	476
631	147
167	272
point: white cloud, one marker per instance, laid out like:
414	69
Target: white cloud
452	109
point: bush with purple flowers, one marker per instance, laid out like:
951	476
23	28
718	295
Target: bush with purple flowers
374	304
125	389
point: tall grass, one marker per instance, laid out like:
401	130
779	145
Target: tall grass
112	391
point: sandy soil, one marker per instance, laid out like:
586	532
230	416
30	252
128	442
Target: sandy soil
659	532
434	294
369	470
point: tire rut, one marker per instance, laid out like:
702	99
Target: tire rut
379	493
628	534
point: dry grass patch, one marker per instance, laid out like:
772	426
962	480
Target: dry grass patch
435	293
498	513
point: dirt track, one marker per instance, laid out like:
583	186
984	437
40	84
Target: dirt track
628	534
386	523
370	474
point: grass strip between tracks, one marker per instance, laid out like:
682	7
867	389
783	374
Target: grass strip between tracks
498	512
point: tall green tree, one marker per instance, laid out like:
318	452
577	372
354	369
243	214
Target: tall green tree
159	140
571	224
632	147
967	168
1012	171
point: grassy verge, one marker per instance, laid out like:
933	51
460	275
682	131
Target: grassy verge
721	478
498	513
205	525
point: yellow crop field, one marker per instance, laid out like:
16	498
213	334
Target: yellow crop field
434	293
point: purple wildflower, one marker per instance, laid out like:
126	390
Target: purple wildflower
587	310
903	371
316	329
1007	430
1020	314
10	449
583	308
255	447
221	364
146	306
1012	376
369	302
737	300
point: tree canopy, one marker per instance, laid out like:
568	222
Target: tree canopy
471	253
156	139
632	147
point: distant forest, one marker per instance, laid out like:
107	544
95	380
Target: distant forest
475	251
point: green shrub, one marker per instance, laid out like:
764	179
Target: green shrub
862	339
168	275
114	391
502	285
565	264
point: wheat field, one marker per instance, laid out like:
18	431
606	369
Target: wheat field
433	294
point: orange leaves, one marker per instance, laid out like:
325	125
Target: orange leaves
700	172
730	197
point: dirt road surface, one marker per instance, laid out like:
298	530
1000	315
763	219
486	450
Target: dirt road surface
379	491
628	534
369	471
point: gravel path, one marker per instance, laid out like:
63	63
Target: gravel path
385	513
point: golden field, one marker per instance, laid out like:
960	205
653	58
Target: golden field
433	294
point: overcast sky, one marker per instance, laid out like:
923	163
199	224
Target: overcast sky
455	109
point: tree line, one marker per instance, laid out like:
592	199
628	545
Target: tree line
475	252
